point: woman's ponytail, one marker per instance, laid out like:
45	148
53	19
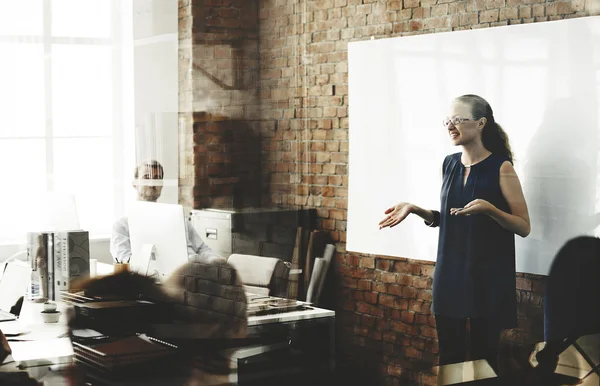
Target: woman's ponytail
494	138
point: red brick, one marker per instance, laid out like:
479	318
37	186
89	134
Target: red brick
431	321
420	319
367	262
388	277
318	146
407	317
371	297
427	270
409	292
416	306
364	331
401	304
376	311
389	336
404	279
386	300
428	332
524	284
395	371
365	285
421	282
380	287
564	8
395	290
376	335
429	380
488	16
539	10
492	4
383	324
337	214
349	304
435	22
439	10
383	264
539	286
329	169
400	327
469	18
425	295
356	295
411	352
368	321
363	308
407	267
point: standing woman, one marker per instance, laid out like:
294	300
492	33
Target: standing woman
482	207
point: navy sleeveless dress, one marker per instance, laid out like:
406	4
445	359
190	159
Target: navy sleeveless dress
475	270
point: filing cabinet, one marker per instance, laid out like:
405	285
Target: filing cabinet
253	231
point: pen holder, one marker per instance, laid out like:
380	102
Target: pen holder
121	267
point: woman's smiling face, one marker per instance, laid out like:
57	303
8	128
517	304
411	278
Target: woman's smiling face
460	124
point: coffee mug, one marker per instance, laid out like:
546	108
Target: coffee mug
121	267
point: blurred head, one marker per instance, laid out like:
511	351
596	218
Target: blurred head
573	290
471	120
148	180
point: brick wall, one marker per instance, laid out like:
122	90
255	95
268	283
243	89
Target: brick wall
219	103
385	329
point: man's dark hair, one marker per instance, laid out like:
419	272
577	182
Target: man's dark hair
153	164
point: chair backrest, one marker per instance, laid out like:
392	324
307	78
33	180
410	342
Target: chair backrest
268	273
572	299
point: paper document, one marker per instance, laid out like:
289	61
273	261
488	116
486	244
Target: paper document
42	352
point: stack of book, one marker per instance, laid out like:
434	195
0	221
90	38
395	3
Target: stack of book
121	354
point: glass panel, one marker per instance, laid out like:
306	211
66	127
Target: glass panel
22	184
21	17
82	90
22	90
83	167
93	18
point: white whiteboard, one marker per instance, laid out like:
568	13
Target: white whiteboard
543	82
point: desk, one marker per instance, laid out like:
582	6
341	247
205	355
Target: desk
299	343
31	327
291	331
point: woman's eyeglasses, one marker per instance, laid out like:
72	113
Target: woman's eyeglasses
455	121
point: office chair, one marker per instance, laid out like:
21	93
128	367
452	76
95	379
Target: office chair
572	300
262	275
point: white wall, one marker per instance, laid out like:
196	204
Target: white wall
543	82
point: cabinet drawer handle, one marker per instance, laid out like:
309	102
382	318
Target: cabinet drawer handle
211	233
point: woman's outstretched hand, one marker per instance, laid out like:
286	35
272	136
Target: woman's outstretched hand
396	214
476	206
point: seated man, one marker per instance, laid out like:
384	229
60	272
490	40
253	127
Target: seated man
148	184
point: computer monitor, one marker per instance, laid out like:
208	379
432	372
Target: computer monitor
161	228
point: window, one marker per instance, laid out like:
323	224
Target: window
61	110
